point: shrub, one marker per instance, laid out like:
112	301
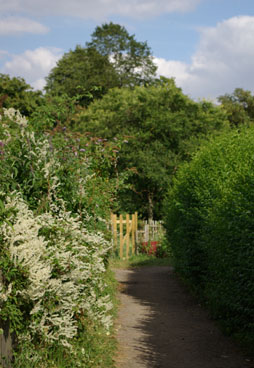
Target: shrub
210	222
54	201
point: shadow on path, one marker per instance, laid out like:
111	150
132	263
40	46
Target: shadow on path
161	325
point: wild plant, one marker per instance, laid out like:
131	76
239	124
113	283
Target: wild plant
52	259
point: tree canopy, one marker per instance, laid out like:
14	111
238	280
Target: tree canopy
16	93
160	126
113	58
131	59
239	106
82	72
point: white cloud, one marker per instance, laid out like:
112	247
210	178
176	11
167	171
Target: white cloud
172	68
33	65
15	25
97	9
3	53
223	61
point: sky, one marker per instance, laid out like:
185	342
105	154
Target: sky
206	45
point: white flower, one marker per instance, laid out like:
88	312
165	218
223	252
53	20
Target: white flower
65	271
16	116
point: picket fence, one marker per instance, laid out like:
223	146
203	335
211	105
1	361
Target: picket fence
150	231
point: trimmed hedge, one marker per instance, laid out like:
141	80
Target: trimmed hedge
210	226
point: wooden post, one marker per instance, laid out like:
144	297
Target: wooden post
127	235
121	236
146	233
133	228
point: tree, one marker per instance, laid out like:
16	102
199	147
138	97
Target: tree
16	93
112	59
239	106
161	127
84	73
131	59
57	112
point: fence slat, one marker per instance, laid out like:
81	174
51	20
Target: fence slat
133	229
127	235
121	236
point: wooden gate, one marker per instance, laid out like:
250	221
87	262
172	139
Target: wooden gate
124	231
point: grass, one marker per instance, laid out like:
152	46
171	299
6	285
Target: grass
139	261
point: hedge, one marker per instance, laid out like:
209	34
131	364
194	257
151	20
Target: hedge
210	226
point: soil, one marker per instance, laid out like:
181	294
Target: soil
160	325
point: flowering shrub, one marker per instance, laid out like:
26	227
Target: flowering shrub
63	265
52	258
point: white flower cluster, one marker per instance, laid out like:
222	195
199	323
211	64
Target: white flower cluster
65	271
15	116
63	261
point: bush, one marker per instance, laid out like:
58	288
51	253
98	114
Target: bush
54	201
210	222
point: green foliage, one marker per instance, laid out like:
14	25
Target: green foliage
82	73
132	60
94	348
160	126
239	106
80	156
163	248
55	198
210	222
112	59
16	93
55	111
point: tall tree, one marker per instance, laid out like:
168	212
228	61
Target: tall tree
84	73
131	59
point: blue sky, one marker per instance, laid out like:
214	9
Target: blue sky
206	45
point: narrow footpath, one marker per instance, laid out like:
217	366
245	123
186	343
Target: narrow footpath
160	325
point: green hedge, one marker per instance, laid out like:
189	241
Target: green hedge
210	226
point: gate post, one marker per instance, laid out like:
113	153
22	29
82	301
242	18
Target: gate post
5	340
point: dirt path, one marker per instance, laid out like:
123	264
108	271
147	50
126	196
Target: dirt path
161	326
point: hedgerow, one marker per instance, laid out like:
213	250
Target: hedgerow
210	222
54	201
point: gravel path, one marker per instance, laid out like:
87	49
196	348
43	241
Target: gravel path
161	326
